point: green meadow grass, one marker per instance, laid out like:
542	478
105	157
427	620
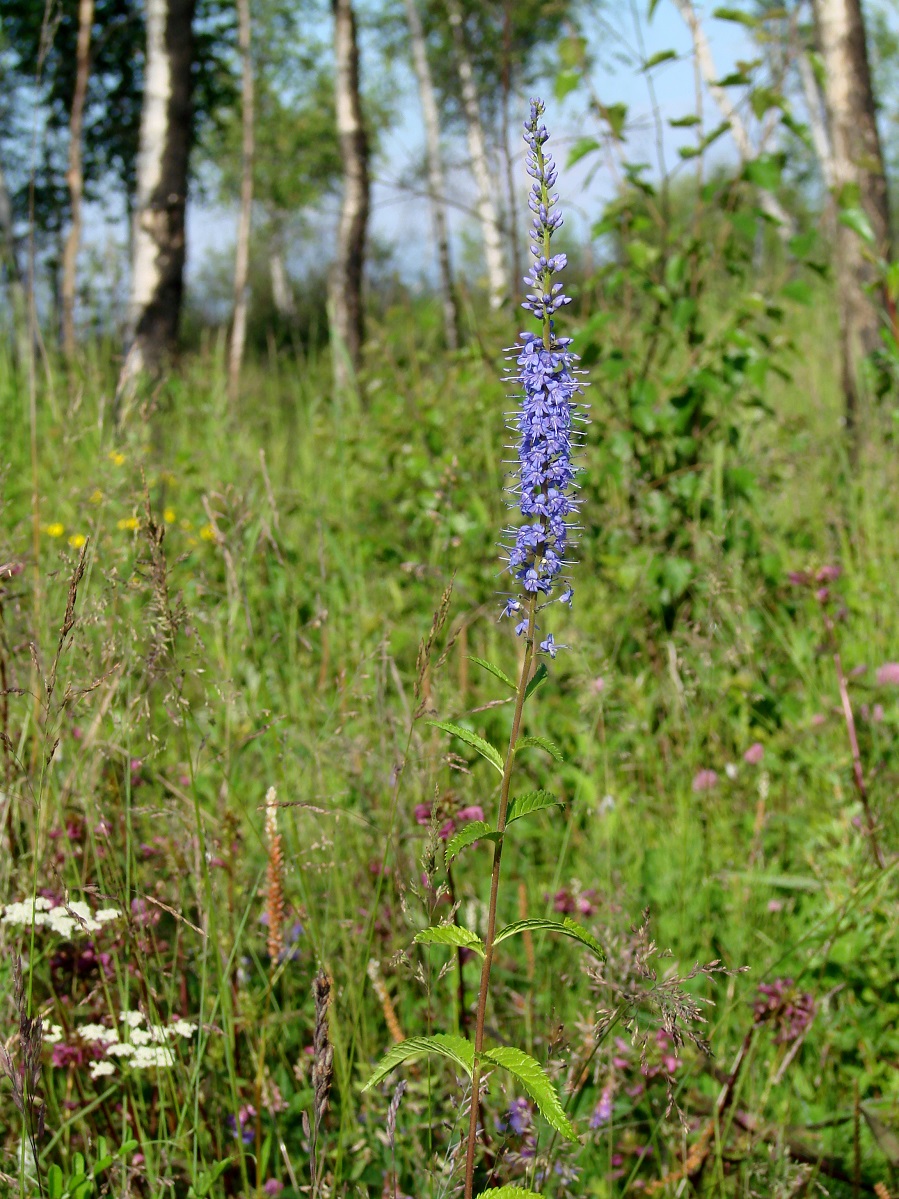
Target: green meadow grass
270	640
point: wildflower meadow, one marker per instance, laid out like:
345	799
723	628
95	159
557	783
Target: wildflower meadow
464	764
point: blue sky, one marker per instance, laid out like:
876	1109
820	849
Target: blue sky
398	217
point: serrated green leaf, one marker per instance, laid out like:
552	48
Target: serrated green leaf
484	748
494	670
534	801
508	1193
541	743
655	59
456	1049
451	934
540	675
531	1076
567	927
476	830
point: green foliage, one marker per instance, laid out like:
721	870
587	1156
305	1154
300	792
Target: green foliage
526	805
484	748
534	1080
508	1193
566	926
475	830
450	934
455	1049
494	670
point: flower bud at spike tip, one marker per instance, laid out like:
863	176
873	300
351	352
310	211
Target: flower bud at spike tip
544	424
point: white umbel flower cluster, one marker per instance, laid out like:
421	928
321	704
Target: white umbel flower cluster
146	1047
68	919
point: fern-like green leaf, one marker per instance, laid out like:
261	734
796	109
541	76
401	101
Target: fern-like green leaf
484	748
531	1076
494	670
508	1193
451	934
475	830
534	801
456	1049
541	743
566	926
541	674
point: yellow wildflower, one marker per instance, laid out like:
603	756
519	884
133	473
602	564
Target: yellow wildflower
54	530
129	522
96	496
116	458
207	533
77	540
169	516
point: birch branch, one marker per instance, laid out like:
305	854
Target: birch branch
770	204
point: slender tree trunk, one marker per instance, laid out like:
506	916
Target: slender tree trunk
347	315
282	296
857	167
158	238
497	280
242	256
75	176
436	180
768	202
512	187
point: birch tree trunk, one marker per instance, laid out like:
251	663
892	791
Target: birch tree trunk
497	280
242	254
158	239
768	202
75	176
346	312
857	167
436	179
282	296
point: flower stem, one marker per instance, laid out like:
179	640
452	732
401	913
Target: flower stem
494	892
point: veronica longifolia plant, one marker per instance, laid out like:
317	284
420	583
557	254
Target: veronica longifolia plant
545	426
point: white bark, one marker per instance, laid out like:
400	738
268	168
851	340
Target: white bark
145	270
703	51
436	180
242	255
75	177
497	278
817	120
856	164
346	310
281	293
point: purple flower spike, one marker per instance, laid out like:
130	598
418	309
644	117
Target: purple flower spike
545	422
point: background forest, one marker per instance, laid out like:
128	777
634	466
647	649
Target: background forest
261	261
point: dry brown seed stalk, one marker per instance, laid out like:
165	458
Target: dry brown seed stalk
322	1049
275	877
390	1016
